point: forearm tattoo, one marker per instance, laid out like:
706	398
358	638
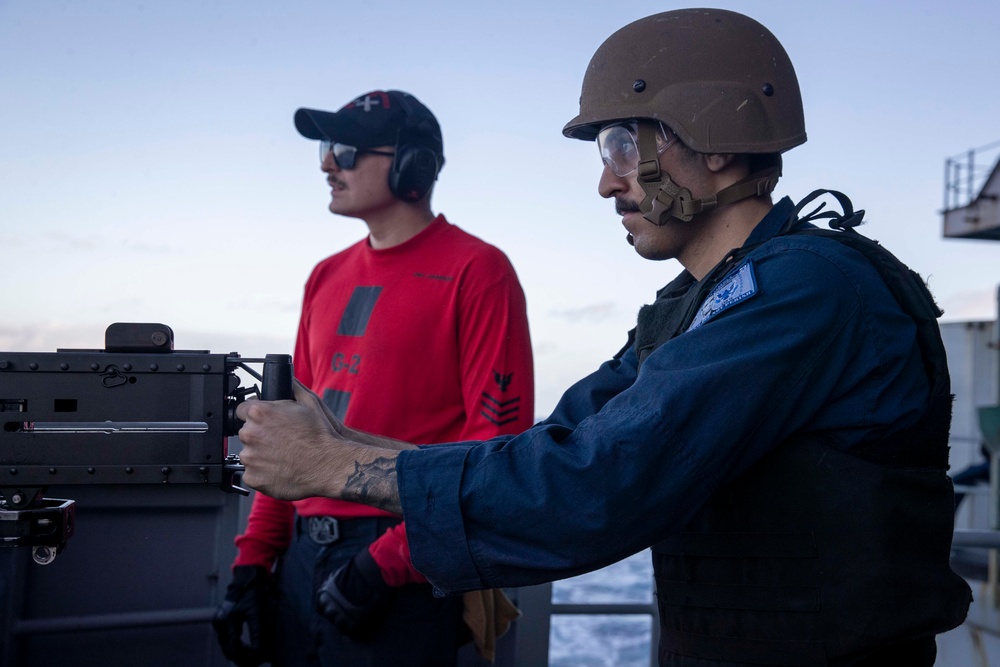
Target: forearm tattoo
375	484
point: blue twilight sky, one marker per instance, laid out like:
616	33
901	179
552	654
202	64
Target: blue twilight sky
150	171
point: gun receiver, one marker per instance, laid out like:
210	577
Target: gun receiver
136	412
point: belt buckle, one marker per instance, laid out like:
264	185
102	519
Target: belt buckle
324	529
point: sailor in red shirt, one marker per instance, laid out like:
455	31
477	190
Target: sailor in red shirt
418	332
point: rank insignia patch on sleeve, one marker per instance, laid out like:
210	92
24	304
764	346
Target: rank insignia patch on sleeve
736	287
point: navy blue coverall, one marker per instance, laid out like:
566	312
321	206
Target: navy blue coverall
804	338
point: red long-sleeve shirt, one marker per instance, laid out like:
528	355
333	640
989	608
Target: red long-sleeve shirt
424	342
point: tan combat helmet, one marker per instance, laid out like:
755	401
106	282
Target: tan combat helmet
720	80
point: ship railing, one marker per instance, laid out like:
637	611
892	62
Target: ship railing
534	627
965	174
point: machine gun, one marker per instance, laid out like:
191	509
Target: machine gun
136	412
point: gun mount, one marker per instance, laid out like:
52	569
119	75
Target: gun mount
136	412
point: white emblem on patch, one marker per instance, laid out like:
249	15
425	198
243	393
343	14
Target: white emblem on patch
738	286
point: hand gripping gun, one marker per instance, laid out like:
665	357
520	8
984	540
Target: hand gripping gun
136	412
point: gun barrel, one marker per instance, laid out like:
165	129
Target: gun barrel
112	428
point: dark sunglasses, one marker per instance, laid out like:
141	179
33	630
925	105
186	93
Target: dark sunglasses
346	156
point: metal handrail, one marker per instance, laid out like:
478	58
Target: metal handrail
963	176
987	539
537	609
90	622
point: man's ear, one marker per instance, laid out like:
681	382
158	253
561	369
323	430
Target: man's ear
717	162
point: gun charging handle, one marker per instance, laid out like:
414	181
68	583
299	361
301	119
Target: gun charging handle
277	382
276	385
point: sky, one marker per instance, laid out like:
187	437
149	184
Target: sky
150	170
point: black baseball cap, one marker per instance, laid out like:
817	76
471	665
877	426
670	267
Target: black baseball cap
378	118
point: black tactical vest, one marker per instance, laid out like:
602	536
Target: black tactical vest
815	556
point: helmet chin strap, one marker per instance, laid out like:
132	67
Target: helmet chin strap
665	199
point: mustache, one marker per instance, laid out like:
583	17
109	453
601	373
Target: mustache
623	206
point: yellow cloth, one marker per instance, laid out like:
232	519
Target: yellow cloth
488	614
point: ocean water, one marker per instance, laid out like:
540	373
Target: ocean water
604	641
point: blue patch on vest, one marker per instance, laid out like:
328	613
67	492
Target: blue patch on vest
735	288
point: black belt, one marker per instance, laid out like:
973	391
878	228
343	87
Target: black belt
325	530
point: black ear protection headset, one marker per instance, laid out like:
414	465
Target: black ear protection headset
415	167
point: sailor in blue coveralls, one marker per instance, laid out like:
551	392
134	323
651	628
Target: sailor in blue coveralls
775	427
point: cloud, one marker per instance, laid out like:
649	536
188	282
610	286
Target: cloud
86	243
74	242
274	304
969	305
51	336
597	312
147	249
48	336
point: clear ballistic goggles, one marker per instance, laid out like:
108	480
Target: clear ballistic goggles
345	156
619	146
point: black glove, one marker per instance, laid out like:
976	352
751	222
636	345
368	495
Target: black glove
250	600
354	596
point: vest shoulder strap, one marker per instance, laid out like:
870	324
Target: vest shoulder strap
906	286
